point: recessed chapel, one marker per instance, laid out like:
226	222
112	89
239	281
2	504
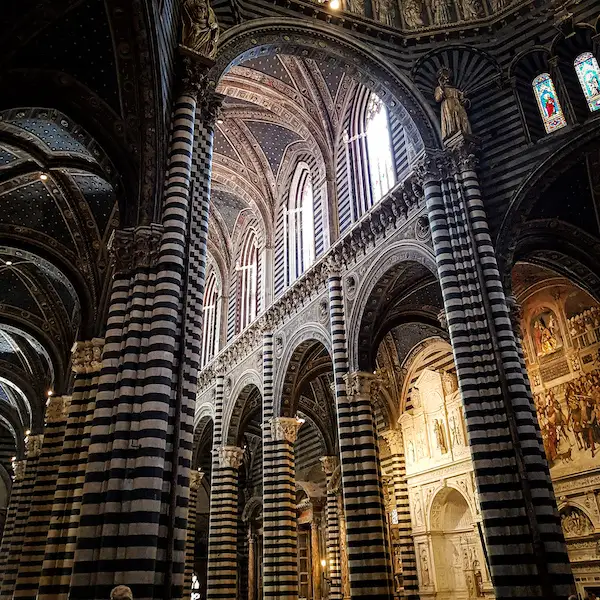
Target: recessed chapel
299	299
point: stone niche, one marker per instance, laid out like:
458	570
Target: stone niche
443	501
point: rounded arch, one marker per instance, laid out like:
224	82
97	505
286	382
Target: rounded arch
511	230
244	400
206	410
315	40
388	264
293	350
447	507
253	509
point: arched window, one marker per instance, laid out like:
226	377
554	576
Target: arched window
248	280
300	236
379	148
588	72
548	104
210	325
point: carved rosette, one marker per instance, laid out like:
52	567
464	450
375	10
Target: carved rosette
87	356
57	408
136	247
18	467
285	429
33	445
230	457
329	464
196	479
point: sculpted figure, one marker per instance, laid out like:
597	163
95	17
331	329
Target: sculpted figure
200	27
384	12
442	11
412	10
121	592
472	9
454	114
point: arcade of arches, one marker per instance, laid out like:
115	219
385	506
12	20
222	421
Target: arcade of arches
300	300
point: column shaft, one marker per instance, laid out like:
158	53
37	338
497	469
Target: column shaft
368	557
333	569
190	543
524	540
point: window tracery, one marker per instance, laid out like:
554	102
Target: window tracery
211	317
548	103
247	269
588	73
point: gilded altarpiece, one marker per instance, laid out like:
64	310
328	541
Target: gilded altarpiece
561	342
443	503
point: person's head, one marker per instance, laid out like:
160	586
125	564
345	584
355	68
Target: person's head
121	592
572	597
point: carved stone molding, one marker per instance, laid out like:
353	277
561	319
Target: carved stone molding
329	464
57	408
285	429
87	356
230	457
196	479
18	467
136	247
33	445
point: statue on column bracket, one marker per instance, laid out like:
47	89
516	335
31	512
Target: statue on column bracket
200	32
285	429
196	479
230	456
454	102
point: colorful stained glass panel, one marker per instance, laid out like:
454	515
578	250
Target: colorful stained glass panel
588	72
550	109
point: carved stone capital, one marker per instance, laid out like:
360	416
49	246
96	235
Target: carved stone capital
329	464
57	408
194	68
333	264
209	105
464	151
361	383
196	479
393	438
230	457
136	247
431	167
33	445
87	356
18	467
285	429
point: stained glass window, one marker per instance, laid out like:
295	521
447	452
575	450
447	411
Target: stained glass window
588	72
379	148
210	325
550	109
248	280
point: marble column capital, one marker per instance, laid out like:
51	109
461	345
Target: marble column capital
329	464
362	383
285	429
18	467
230	457
57	408
136	247
87	356
33	445
394	440
196	479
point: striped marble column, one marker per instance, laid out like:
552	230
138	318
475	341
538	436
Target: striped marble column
333	570
369	566
33	447
190	544
64	509
408	559
280	528
38	523
222	569
524	540
14	507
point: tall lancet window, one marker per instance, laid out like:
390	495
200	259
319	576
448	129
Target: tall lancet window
379	148
588	72
300	236
248	281
210	325
548	104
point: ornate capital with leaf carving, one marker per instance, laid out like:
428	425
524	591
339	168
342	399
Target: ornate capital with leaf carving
285	429
361	383
87	356
18	467
431	167
230	457
209	105
196	479
329	464
57	408
393	438
136	247
33	445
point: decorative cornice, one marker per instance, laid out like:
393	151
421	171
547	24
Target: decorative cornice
285	429
87	356
329	464
33	445
136	247
57	408
230	457
196	479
